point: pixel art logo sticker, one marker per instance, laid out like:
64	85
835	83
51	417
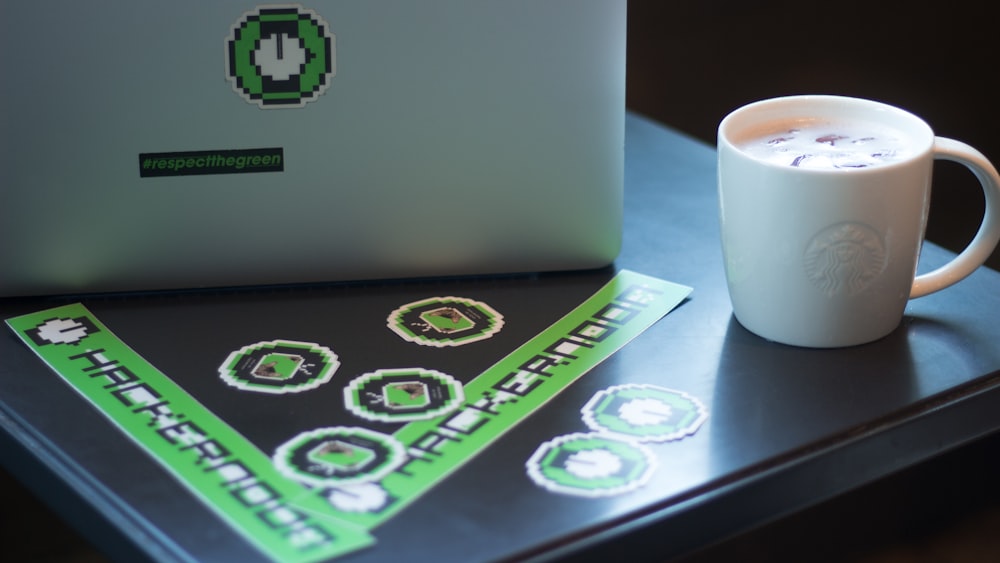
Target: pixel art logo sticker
62	330
280	56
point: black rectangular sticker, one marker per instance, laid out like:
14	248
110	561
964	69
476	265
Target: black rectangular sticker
190	163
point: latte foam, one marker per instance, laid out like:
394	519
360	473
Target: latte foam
828	146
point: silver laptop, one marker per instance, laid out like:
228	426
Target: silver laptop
153	145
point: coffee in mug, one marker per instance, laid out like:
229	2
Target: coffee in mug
828	145
823	202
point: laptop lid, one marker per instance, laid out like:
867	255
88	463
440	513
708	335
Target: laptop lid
151	145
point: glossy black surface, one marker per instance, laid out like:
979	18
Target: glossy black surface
788	427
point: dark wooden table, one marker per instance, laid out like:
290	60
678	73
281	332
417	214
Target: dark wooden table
789	428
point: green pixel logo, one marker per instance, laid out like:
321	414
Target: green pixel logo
280	56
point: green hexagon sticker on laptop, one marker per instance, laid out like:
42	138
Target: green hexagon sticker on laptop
280	56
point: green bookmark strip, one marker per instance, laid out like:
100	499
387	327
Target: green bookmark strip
506	393
218	464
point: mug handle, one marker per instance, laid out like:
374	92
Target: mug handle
988	235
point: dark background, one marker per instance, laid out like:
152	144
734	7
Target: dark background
691	63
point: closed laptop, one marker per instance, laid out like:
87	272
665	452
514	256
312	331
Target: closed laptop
154	145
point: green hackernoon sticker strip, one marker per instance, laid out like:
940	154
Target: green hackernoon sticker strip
292	516
219	465
506	393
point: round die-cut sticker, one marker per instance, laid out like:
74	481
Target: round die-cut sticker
280	56
646	413
398	395
336	456
445	321
591	465
279	366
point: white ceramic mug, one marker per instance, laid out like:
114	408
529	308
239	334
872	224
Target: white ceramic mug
822	223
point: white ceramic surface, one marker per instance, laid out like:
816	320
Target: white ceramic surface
827	258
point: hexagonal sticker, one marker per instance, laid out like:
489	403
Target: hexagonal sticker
646	413
337	456
445	321
590	465
399	395
279	366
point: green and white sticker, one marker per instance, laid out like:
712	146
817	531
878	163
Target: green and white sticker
646	413
280	56
321	491
279	366
591	465
402	395
445	321
510	390
612	460
341	455
223	469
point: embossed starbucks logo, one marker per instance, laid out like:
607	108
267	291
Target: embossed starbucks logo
844	259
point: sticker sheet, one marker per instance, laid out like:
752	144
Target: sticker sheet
397	430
